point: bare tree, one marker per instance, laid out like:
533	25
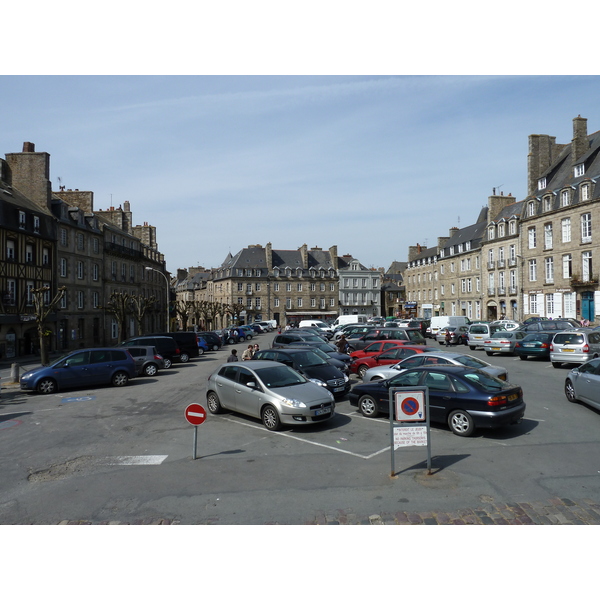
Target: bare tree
119	305
184	308
140	305
42	309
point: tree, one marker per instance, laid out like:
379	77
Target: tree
42	310
119	305
140	305
183	308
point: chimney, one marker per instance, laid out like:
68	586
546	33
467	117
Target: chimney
333	252
304	254
580	143
30	174
269	257
542	152
496	204
452	231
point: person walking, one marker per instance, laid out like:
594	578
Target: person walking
233	357
342	344
447	337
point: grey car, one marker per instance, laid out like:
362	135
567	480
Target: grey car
435	358
270	391
503	342
147	360
574	346
583	384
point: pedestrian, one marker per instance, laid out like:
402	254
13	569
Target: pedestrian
247	355
255	350
233	357
342	344
447	337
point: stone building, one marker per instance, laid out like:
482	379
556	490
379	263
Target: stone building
560	213
359	288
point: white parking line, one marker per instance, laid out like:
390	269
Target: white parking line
293	437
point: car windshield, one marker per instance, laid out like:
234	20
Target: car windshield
279	376
471	361
486	382
308	359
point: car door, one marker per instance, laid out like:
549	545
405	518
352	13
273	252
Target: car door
74	371
101	367
442	397
247	399
587	385
225	382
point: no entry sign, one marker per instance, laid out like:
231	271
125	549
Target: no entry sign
195	414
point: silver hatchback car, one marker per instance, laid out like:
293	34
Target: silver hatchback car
574	346
270	391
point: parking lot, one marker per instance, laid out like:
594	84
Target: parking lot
67	447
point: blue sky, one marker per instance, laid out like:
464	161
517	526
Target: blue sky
372	164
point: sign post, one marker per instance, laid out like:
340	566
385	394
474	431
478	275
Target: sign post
409	420
195	415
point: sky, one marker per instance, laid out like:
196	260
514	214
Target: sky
371	164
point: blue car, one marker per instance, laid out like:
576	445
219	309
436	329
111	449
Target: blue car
202	345
82	368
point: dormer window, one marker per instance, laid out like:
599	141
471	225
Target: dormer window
36	224
564	198
22	219
585	192
578	170
541	183
501	230
547	203
491	233
512	227
531	209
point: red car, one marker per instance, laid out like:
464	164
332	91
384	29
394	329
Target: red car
389	357
378	348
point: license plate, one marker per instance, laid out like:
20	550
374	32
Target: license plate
340	389
568	350
496	349
322	411
528	345
513	397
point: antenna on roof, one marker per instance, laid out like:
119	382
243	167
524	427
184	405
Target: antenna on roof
496	188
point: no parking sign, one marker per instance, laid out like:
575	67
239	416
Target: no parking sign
410	406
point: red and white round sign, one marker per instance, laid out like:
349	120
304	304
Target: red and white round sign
195	414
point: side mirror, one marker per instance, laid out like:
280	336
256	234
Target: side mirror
251	384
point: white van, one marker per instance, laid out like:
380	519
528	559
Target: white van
350	319
438	323
315	323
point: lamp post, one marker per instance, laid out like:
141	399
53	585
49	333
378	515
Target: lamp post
168	289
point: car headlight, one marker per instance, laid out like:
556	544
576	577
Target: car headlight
293	403
26	376
319	382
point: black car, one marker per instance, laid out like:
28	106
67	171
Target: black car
167	347
549	325
326	347
283	339
187	342
211	338
462	397
311	365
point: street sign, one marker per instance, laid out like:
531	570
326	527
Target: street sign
195	414
410	406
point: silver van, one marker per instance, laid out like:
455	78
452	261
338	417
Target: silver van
574	346
479	332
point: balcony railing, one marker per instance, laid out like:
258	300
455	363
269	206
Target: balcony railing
491	264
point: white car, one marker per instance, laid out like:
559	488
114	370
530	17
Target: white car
509	324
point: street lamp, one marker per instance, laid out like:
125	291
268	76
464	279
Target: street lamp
168	289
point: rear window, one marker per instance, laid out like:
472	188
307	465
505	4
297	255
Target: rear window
502	334
569	338
486	382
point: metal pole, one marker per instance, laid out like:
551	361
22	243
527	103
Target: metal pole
195	440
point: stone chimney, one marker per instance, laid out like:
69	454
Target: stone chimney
542	152
580	143
441	241
269	257
452	231
82	200
30	175
497	203
414	251
304	254
333	252
181	274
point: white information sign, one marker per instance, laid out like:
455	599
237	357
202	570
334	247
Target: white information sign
410	436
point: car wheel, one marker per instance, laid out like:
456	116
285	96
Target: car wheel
522	357
461	423
47	386
570	391
120	379
241	338
362	370
230	341
213	403
556	365
200	351
368	407
168	363
184	357
270	418
150	370
248	337
471	347
489	353
216	347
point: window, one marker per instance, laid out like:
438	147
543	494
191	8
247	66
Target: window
36	224
531	237
549	304
548	236
564	198
276	287
288	287
491	233
531	209
276	302
578	170
10	250
299	303
566	229
512	228
586	227
80	241
79	269
80	299
541	183
29	253
533	307
63	267
45	256
299	287
549	269
11	291
585	192
95	299
22	219
567	266
64	240
96	246
586	266
532	269
547	203
29	289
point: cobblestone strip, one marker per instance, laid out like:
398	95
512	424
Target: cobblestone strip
556	511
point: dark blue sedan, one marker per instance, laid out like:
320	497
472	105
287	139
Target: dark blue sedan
462	397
